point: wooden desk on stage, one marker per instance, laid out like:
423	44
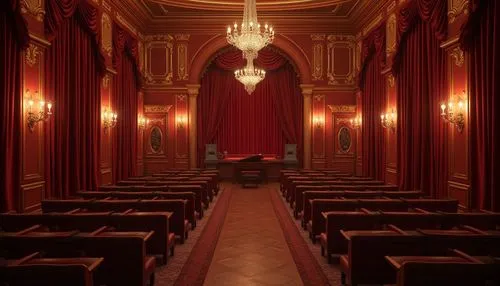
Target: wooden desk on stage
271	166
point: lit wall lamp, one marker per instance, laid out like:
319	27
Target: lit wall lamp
142	122
355	122
455	112
37	111
109	119
388	120
181	121
318	121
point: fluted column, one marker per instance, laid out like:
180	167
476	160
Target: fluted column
307	91
192	90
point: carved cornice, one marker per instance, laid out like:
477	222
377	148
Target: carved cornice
457	7
158	37
33	8
342	108
307	89
157	108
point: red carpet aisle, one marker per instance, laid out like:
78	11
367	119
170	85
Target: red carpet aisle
182	266
293	228
252	249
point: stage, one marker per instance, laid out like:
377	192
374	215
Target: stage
270	165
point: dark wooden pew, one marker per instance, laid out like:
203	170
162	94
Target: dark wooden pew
178	222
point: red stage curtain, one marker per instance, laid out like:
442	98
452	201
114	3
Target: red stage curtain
247	124
421	85
480	37
14	36
56	13
372	85
72	66
126	84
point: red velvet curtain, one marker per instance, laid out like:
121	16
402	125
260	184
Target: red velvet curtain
420	67
372	85
14	36
72	76
480	37
247	124
125	103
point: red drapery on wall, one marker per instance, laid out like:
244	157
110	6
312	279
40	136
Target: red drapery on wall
14	37
72	76
372	84
480	37
420	67
126	84
245	124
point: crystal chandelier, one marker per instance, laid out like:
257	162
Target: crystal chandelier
249	39
250	76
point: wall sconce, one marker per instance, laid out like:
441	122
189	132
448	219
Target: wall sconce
142	122
355	122
388	120
37	111
455	115
318	121
181	121
109	119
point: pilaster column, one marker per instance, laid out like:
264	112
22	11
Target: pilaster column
307	91
192	90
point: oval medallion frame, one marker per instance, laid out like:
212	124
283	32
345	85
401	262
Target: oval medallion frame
344	139
156	140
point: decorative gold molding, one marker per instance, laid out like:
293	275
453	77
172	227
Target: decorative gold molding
346	42
307	89
342	108
182	53
318	37
32	54
159	37
33	8
317	62
181	97
391	35
157	108
106	80
390	80
458	55
107	34
160	42
182	37
319	97
457	8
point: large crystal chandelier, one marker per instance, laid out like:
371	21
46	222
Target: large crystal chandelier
250	76
250	40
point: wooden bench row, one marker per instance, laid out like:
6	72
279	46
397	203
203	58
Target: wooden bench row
366	263
125	261
178	222
162	241
315	223
333	243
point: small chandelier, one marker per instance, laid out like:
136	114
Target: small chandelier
249	39
250	76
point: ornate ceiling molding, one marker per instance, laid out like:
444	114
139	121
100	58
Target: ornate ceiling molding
237	5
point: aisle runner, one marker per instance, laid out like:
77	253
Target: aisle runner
307	265
196	267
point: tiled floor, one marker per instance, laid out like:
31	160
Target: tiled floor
252	249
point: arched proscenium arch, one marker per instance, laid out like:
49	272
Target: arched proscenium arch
211	47
215	44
